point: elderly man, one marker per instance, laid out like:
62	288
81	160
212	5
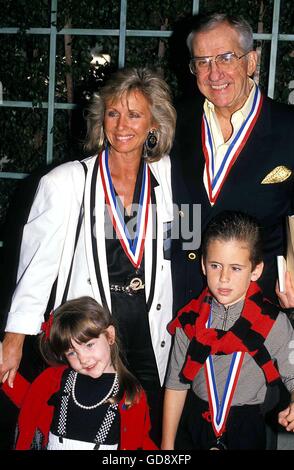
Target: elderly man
233	150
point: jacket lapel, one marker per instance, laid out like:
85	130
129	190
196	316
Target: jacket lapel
95	234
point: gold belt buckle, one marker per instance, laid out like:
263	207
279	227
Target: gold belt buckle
136	284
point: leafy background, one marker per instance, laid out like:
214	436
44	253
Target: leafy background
25	67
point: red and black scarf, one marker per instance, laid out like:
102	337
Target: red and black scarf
247	334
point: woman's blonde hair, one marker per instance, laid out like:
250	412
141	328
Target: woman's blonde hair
157	93
83	319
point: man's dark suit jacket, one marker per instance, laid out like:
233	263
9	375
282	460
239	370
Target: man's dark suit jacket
270	145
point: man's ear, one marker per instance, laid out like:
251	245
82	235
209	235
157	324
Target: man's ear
251	63
203	266
257	272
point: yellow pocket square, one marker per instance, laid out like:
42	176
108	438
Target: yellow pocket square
277	175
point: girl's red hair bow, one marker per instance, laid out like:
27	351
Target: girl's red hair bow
46	325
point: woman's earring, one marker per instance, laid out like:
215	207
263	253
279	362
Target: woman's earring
150	143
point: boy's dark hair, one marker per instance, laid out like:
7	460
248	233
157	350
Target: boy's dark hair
83	319
229	225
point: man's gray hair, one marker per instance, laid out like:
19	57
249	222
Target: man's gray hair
241	26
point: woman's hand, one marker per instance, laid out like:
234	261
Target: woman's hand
11	356
286	298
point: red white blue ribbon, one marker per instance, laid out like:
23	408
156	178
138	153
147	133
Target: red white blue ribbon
219	408
213	179
133	246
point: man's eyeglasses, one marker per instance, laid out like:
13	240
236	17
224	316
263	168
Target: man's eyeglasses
226	61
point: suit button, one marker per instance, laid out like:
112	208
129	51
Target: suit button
162	344
158	306
89	281
192	256
124	429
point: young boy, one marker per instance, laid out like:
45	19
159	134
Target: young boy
225	345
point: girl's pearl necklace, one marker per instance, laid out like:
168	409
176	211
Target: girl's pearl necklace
91	407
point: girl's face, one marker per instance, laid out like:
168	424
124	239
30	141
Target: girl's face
92	358
229	270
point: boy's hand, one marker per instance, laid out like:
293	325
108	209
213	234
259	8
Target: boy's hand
286	418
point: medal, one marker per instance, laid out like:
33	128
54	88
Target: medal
218	445
214	180
133	245
219	408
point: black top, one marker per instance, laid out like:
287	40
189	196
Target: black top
130	311
82	424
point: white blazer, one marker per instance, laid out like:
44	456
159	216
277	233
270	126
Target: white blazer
48	243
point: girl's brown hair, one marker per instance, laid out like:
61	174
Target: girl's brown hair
83	319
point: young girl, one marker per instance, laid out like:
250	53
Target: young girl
225	344
92	402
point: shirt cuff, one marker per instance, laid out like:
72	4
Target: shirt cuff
20	322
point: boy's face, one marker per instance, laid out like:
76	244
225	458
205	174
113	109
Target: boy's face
229	270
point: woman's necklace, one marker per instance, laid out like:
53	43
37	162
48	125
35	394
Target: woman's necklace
91	407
